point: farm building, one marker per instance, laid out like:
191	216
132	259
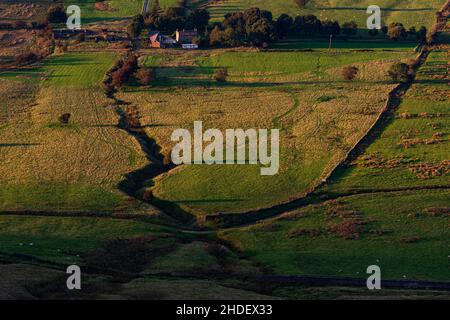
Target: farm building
186	36
158	40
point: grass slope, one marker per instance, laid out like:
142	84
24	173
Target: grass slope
409	12
393	219
301	93
53	167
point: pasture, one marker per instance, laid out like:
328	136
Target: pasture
52	167
117	9
301	93
397	234
404	232
414	148
410	12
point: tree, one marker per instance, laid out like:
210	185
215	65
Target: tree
134	29
350	72
145	76
399	72
350	28
396	31
26	58
330	27
422	34
284	25
199	18
56	14
373	32
221	74
64	118
215	38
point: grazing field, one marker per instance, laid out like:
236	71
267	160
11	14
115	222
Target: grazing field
394	231
404	232
409	12
65	239
301	93
52	167
117	9
414	149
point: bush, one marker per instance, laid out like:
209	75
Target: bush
350	28
396	31
399	72
145	76
349	73
64	118
56	14
147	196
124	70
26	58
221	74
350	229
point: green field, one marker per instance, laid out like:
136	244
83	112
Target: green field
404	232
409	12
118	9
408	143
53	167
392	219
299	92
64	239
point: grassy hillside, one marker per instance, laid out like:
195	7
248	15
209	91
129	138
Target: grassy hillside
404	232
395	232
49	166
414	148
409	12
320	117
117	9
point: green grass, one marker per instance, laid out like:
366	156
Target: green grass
425	96
120	9
77	69
290	62
408	12
58	197
328	255
304	78
75	167
63	240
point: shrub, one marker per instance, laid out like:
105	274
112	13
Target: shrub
350	229
145	76
399	72
396	31
350	72
221	74
147	196
350	28
26	58
64	118
373	32
56	14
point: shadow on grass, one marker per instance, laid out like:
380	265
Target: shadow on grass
11	145
383	9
